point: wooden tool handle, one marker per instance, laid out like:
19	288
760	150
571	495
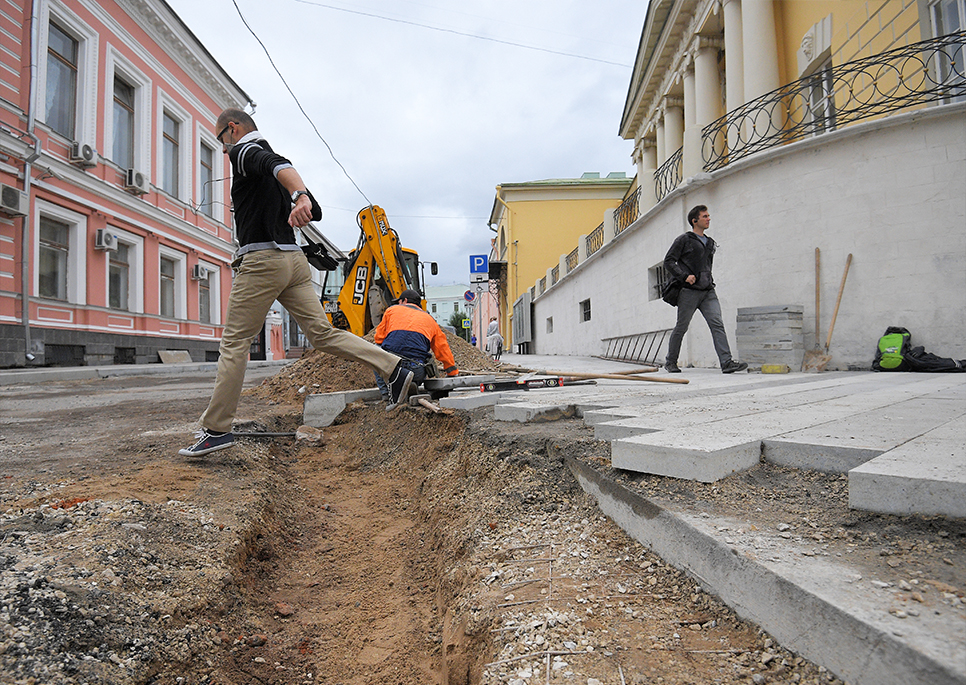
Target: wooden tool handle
818	318
835	314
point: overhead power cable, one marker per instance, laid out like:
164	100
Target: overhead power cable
301	109
462	33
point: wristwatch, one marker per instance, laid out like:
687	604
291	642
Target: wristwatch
295	195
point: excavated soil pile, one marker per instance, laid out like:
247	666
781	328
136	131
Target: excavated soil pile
318	372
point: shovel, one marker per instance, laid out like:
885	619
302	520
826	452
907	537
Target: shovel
826	358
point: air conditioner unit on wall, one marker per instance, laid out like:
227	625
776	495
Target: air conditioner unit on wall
83	155
199	272
13	201
136	181
105	240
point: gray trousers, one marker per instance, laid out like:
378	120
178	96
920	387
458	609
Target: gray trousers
705	301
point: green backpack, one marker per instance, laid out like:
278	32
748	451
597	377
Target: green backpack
892	346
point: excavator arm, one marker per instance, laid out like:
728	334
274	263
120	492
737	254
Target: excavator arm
377	273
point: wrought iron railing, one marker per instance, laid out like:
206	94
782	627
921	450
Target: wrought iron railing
595	240
901	78
668	176
543	286
554	275
628	212
572	260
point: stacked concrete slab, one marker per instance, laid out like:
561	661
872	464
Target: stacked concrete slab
771	335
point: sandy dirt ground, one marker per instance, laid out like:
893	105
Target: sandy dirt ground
406	548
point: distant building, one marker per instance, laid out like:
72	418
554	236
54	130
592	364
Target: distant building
115	231
537	223
443	301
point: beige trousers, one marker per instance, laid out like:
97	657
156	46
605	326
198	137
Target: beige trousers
263	277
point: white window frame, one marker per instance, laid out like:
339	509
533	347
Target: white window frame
135	295
934	11
214	292
76	250
85	111
180	260
118	65
203	135
185	170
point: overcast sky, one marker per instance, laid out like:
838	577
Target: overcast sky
429	105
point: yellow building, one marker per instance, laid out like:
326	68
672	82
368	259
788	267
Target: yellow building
538	223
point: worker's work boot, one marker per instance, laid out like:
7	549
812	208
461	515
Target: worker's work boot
399	384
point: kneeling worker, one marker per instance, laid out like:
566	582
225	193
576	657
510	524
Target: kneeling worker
407	331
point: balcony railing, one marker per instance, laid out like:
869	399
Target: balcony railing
554	275
543	286
669	175
572	260
628	212
902	78
595	240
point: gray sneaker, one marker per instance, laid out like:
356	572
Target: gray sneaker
671	367
733	366
208	442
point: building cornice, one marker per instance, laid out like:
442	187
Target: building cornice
168	30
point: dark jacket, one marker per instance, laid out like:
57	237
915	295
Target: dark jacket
686	256
261	204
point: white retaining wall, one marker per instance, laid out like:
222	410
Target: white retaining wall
891	192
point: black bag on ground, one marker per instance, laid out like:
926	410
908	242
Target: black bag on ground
919	360
895	353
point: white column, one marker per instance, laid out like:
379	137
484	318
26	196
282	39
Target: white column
760	47
707	77
645	177
691	159
673	126
734	54
659	137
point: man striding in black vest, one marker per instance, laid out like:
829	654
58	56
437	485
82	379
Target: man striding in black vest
689	261
270	200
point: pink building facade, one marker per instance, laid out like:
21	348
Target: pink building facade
115	229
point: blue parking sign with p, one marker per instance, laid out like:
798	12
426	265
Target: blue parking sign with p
479	264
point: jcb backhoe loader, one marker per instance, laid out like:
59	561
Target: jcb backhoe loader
377	271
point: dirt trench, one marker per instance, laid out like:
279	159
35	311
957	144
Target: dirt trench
361	565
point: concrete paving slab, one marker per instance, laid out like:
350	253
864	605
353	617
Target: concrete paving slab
713	450
839	446
524	412
840	383
321	409
816	606
679	414
470	400
925	476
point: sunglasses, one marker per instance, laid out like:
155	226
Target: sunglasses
218	137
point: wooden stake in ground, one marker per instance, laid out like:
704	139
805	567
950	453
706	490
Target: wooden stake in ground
814	358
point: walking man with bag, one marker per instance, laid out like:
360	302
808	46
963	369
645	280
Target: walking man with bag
689	262
270	200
